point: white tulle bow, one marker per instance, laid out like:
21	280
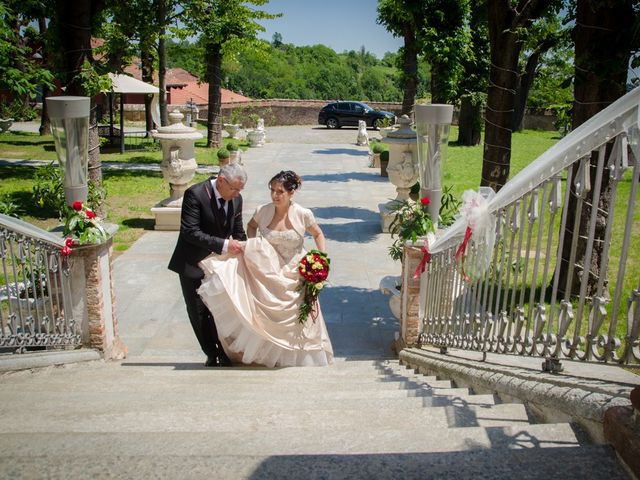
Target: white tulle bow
481	226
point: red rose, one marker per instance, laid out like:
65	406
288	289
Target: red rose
68	242
90	214
77	206
425	201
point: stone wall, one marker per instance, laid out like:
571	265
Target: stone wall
278	112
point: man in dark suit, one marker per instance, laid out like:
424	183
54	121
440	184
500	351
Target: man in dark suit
211	221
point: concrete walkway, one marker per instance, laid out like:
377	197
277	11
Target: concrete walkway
343	193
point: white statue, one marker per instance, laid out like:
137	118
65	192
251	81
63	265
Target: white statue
363	136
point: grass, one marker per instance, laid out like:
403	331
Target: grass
31	146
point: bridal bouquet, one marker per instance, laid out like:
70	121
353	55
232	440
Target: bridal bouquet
314	270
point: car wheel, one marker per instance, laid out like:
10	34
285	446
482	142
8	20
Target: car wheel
332	123
377	123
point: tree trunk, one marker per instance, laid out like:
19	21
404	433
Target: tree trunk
469	122
409	71
162	61
147	77
505	49
522	91
45	124
439	92
603	40
214	67
527	78
506	19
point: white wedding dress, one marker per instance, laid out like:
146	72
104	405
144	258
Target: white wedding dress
254	302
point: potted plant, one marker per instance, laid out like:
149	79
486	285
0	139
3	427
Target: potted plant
384	163
223	156
376	149
256	136
234	152
234	126
386	126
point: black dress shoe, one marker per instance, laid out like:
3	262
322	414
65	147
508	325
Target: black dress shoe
223	360
212	362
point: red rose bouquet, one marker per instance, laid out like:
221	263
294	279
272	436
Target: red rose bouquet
81	224
314	270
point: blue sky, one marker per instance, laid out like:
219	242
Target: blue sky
339	24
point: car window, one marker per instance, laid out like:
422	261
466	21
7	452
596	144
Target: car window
331	106
358	108
344	106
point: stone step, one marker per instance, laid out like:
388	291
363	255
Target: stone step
592	461
106	400
296	441
200	417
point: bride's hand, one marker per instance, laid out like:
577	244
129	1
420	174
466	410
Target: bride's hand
235	247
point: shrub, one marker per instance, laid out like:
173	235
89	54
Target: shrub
223	153
379	147
232	146
384	156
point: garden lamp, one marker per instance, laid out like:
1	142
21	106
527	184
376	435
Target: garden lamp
70	127
432	129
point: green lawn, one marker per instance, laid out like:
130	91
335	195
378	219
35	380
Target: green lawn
132	211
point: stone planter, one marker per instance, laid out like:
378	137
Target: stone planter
5	124
256	138
232	129
384	131
234	157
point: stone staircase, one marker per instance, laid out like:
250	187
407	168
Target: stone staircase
152	417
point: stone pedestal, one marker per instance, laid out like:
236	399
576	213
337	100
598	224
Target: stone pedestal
410	327
178	168
402	169
93	297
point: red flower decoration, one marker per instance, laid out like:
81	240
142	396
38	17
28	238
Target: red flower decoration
425	201
90	214
66	250
77	206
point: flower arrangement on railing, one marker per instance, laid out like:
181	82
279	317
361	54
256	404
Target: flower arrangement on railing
412	220
314	270
82	226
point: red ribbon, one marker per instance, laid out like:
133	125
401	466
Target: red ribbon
426	258
462	250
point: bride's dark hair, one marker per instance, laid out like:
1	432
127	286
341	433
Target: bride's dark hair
289	179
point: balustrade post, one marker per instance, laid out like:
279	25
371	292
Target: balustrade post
410	327
93	297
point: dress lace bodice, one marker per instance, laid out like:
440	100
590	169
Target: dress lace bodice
288	243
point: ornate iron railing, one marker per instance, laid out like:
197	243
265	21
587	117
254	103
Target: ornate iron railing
521	297
35	295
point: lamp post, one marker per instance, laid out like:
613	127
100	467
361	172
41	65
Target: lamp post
70	127
432	128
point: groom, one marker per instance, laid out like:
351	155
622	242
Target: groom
211	221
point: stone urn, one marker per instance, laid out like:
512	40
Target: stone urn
178	168
5	124
258	136
402	170
232	129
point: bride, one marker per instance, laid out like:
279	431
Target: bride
253	296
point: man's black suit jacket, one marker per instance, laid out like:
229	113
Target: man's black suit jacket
203	229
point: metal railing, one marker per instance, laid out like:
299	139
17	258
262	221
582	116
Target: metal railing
35	295
530	294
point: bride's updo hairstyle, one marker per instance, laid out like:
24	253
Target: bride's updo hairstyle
289	179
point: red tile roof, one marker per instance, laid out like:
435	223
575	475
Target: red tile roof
198	93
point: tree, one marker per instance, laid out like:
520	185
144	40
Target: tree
402	19
73	23
224	26
444	40
276	40
508	19
605	35
21	42
475	75
544	35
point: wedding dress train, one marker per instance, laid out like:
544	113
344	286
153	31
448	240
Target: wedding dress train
254	302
